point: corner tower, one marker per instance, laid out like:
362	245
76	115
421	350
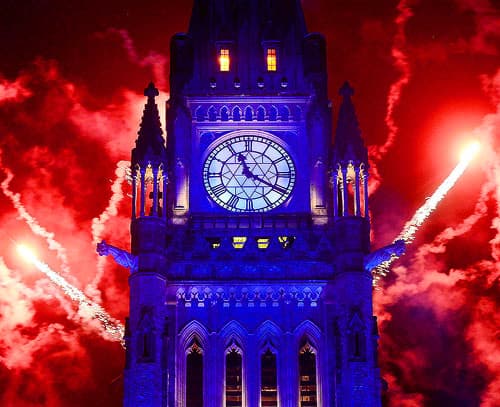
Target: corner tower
248	285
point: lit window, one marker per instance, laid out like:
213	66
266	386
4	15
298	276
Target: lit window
271	59
239	242
234	391
269	380
224	59
307	372
263	242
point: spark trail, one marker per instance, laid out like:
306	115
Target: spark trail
113	328
122	173
33	224
411	227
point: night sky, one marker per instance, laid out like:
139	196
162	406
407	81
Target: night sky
427	79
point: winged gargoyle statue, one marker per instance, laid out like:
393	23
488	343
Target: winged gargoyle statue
384	254
121	257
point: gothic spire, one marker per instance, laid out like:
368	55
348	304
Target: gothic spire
349	145
150	133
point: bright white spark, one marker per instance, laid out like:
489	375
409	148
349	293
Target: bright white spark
411	227
112	327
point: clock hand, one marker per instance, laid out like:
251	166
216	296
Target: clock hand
276	187
249	174
246	171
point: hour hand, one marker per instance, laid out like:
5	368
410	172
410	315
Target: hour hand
246	171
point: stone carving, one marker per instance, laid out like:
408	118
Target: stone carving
120	256
383	254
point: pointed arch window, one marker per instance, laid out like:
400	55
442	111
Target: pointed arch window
234	390
194	376
271	59
146	337
261	113
269	380
224	59
307	375
357	339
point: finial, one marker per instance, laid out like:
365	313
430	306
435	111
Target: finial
151	91
346	90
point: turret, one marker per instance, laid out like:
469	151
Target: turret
350	162
145	373
149	163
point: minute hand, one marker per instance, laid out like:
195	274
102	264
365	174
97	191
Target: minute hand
276	187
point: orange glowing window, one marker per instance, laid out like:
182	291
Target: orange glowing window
271	59
224	59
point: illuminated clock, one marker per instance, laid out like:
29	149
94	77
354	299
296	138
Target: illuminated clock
249	173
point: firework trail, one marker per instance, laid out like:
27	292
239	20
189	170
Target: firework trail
113	328
121	172
402	66
422	213
33	224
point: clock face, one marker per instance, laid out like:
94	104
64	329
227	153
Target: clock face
249	173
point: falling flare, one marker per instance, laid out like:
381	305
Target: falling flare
33	224
411	227
113	328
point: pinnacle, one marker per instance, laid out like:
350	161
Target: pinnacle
151	91
346	90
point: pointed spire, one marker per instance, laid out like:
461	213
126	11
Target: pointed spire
349	145
150	132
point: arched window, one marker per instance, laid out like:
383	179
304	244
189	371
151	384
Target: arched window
269	380
285	113
307	375
194	376
236	114
224	114
212	114
234	392
248	114
146	337
261	113
273	113
356	338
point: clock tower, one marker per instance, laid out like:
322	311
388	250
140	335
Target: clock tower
249	229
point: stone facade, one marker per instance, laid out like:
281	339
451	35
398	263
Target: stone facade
260	272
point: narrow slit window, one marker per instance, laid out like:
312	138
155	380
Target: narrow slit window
224	59
234	394
194	377
307	371
271	60
269	380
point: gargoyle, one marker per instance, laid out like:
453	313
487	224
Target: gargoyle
122	257
383	254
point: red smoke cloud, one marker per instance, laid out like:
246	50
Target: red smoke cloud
69	113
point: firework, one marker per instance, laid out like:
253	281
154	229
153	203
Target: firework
411	227
113	329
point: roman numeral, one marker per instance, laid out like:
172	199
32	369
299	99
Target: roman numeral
283	174
278	160
248	145
249	205
231	149
219	189
233	201
213	174
268	202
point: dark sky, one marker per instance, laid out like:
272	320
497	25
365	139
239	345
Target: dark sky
427	79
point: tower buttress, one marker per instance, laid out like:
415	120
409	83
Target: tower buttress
145	373
357	379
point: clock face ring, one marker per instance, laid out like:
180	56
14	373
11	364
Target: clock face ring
248	173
